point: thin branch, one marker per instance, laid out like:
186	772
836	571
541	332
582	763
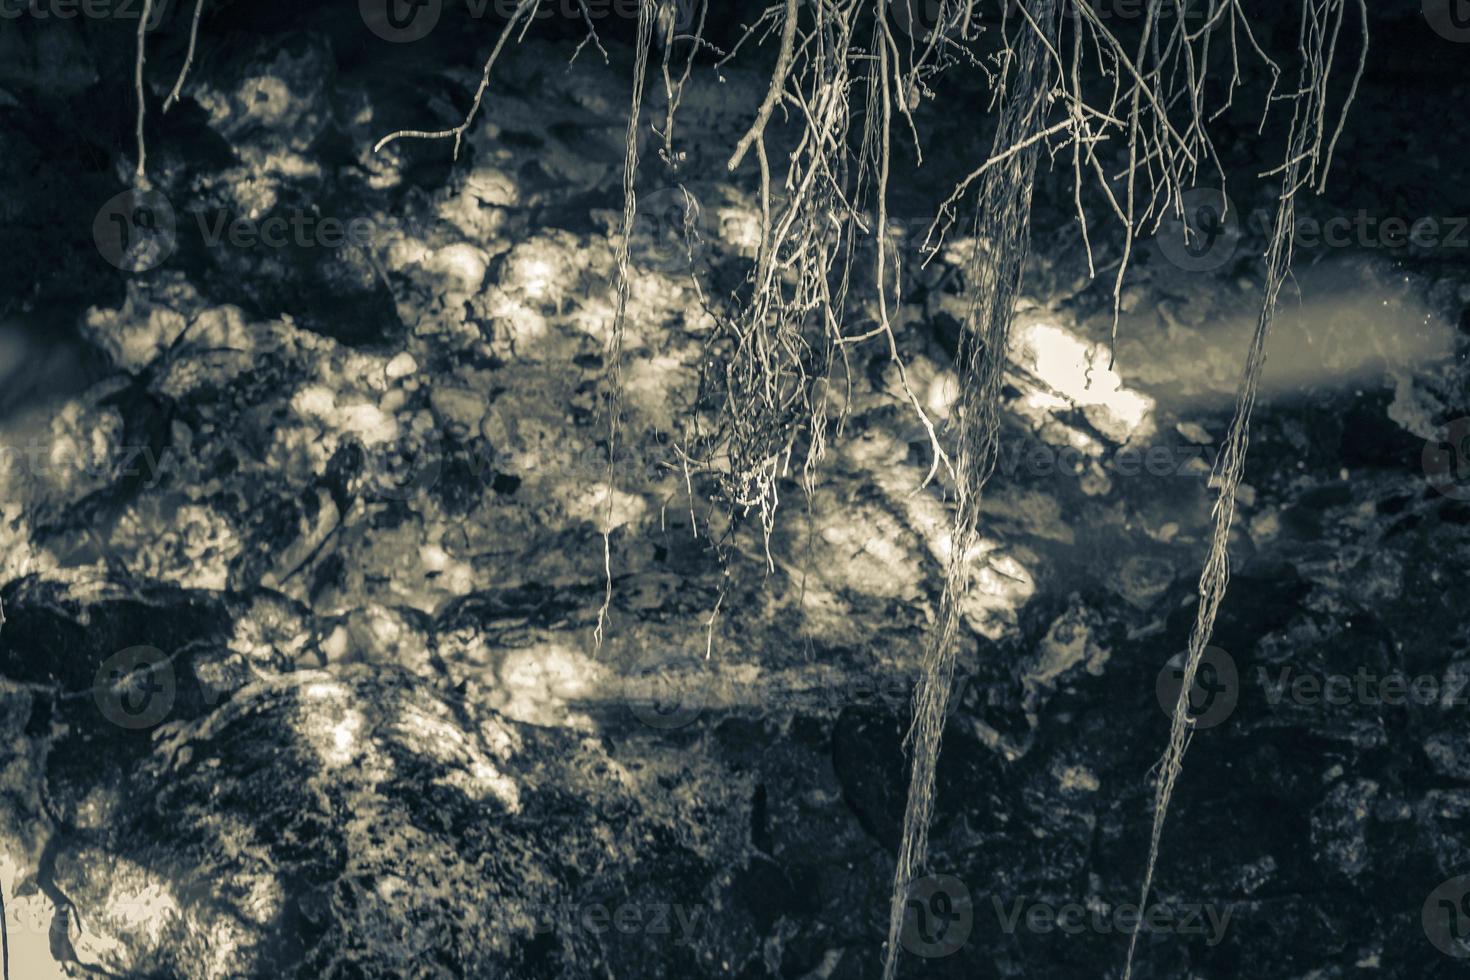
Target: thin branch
526	10
773	94
173	96
141	175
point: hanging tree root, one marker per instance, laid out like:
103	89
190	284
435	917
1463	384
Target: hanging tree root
1162	79
1002	234
778	349
775	351
1307	161
774	354
620	316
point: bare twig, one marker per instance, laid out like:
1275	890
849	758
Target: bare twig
178	88
141	175
524	15
615	340
773	94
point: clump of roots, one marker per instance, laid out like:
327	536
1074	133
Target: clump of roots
1130	107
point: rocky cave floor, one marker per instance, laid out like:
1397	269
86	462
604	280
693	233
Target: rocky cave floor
346	503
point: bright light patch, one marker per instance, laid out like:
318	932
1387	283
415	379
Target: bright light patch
148	910
28	925
1079	372
464	264
536	278
344	736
